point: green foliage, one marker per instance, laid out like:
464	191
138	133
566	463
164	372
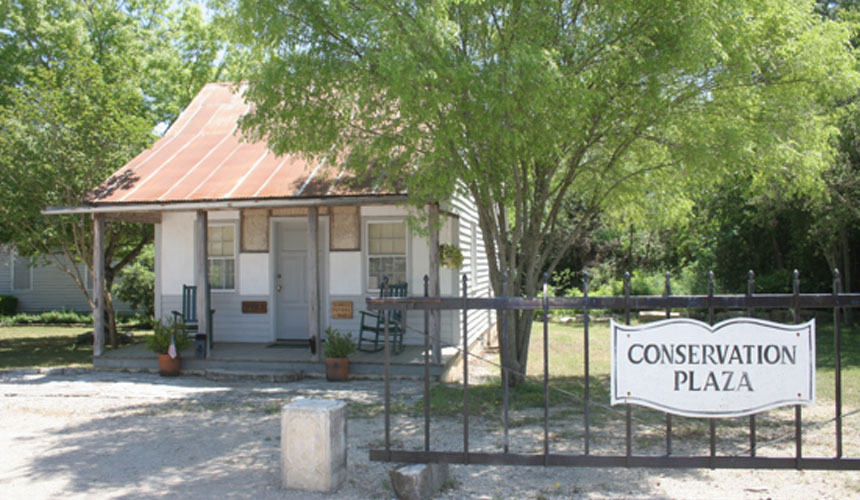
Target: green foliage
60	317
450	256
82	88
337	345
137	282
8	305
548	112
66	317
163	331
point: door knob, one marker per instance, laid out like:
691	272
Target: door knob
278	288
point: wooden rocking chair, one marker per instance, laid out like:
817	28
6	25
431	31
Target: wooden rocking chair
188	316
371	335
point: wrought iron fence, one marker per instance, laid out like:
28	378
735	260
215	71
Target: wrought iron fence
749	302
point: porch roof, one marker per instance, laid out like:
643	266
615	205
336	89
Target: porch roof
203	158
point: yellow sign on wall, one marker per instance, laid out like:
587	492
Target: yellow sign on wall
341	309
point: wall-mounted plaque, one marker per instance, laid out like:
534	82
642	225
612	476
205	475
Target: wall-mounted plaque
250	307
341	309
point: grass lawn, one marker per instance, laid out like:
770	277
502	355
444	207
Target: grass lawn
46	346
567	373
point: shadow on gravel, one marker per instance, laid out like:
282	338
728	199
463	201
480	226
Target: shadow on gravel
225	444
195	447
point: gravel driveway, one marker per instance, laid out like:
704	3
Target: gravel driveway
84	434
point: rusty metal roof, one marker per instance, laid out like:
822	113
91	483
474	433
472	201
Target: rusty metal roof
202	157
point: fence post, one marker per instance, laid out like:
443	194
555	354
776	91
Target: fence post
627	417
426	367
387	374
837	362
798	412
465	372
750	312
545	371
505	374
712	424
627	298
587	363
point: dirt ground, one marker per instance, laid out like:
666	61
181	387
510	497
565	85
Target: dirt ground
84	434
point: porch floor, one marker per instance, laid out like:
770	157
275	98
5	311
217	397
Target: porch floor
260	359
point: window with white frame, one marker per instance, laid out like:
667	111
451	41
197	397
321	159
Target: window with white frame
222	256
386	253
22	273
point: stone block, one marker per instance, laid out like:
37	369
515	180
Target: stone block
418	481
313	445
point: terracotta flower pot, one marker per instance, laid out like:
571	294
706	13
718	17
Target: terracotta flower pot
167	366
336	369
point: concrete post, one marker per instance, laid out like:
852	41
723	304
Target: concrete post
313	445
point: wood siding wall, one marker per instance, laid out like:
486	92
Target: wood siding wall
51	289
475	267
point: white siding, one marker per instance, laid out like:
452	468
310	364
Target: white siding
475	267
254	273
51	289
176	252
344	274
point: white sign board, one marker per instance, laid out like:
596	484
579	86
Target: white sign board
738	367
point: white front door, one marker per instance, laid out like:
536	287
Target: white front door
291	297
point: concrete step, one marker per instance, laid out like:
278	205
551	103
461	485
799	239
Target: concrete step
274	370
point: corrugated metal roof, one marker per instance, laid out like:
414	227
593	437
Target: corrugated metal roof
202	158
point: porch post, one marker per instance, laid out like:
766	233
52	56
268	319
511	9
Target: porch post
201	276
313	281
98	284
435	319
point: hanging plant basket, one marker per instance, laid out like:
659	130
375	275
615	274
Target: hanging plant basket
450	256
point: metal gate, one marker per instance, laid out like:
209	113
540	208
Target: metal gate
749	303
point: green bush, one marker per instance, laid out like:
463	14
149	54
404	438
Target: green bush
49	318
8	305
338	345
603	284
64	317
136	284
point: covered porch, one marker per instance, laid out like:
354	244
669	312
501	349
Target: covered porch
270	248
277	361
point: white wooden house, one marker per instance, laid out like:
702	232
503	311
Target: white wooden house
291	247
40	286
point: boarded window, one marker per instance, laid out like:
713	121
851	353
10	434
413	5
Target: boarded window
255	230
222	257
386	253
345	229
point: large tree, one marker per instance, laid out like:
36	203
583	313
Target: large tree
546	111
84	85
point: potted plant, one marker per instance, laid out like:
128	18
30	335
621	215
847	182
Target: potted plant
336	349
168	339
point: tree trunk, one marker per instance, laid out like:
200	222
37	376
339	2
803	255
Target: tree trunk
110	319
